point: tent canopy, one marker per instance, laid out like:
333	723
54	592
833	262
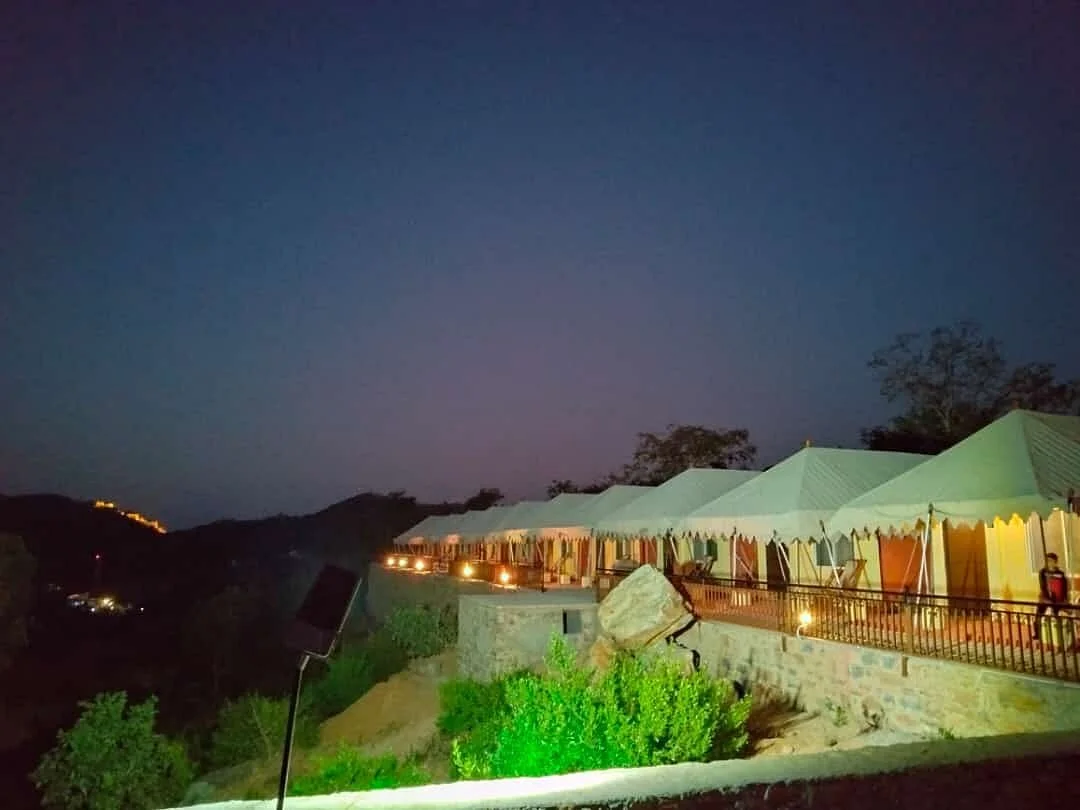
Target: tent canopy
482	522
1022	463
582	516
559	509
515	518
789	501
659	511
417	532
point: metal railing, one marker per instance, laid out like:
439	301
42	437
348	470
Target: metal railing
1014	636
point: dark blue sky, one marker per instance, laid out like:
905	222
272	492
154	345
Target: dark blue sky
259	259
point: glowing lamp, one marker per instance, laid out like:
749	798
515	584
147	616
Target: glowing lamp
504	577
402	562
419	565
466	571
391	562
805	620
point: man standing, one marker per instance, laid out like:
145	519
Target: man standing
1053	591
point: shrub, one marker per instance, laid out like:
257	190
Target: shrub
465	705
253	727
349	770
637	713
423	630
351	673
112	759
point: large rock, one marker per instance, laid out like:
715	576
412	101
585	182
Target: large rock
643	608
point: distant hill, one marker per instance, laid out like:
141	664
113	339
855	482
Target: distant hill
65	535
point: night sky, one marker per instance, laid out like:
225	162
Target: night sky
256	257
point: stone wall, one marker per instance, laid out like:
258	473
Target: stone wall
911	693
386	590
500	633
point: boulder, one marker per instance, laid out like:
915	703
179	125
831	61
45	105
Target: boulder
665	650
643	608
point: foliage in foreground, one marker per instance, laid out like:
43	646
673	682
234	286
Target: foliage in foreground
253	727
424	630
112	759
637	713
349	770
351	673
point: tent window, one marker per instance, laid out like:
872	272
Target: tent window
843	549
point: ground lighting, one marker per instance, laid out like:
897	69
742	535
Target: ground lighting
402	562
805	620
419	565
466	570
504	577
391	562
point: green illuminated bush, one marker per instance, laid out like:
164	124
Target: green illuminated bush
423	630
637	713
351	673
349	770
112	759
465	705
253	727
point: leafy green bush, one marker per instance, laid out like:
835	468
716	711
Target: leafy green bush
112	759
349	770
351	673
465	705
635	714
253	727
423	630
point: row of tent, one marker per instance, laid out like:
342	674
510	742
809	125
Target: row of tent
1021	469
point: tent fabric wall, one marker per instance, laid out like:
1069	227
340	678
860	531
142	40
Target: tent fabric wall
791	500
659	511
1023	463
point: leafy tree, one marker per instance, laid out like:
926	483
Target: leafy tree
16	590
953	381
253	727
215	634
484	499
565	485
659	457
112	759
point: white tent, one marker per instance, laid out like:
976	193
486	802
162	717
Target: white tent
791	500
418	533
585	515
482	522
558	511
659	511
1023	463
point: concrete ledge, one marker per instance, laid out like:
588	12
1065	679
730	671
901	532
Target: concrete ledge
693	783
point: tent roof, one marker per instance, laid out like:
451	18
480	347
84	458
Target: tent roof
1023	462
417	531
659	510
482	522
791	500
515	517
583	515
555	512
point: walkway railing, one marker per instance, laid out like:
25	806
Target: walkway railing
990	633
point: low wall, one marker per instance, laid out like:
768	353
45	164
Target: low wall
511	630
386	590
913	694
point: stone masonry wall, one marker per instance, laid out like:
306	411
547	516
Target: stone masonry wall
387	590
499	634
912	693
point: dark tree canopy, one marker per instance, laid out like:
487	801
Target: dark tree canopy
484	499
951	382
16	592
566	485
660	457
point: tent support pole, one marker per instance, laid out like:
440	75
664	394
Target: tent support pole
835	578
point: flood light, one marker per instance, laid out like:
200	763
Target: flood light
805	620
391	562
504	577
467	571
419	565
402	562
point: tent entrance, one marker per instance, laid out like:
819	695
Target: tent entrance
777	569
966	572
901	560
